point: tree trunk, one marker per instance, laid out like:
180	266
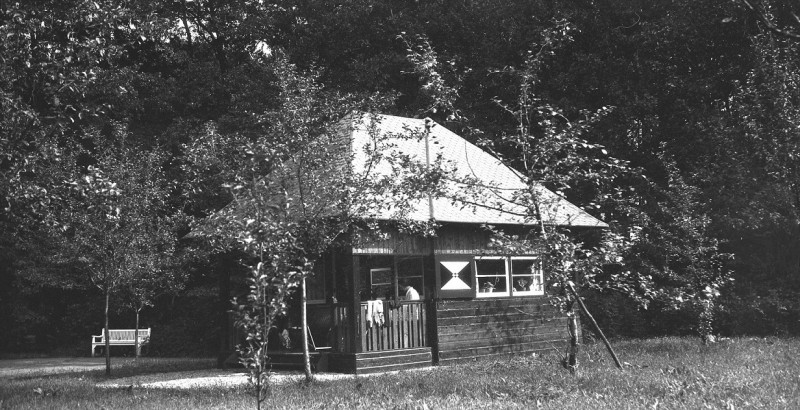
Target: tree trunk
136	335
589	316
105	331
226	346
304	324
574	344
538	212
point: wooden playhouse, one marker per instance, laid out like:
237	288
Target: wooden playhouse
474	301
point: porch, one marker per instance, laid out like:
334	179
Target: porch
402	326
393	337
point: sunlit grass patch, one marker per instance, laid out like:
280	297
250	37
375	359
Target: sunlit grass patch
148	365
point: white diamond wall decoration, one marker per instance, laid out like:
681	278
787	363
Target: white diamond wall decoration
454	267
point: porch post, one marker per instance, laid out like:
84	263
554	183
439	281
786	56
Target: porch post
355	318
432	302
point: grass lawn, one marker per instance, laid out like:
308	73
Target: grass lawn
662	373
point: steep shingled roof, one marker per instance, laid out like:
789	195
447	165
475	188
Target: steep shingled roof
483	189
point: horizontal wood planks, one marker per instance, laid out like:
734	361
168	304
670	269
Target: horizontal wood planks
391	243
381	361
476	328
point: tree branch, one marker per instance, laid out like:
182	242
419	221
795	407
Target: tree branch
769	24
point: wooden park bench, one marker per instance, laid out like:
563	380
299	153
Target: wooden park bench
121	337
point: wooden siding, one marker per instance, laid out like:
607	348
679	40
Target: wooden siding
393	243
461	240
468	329
382	361
450	239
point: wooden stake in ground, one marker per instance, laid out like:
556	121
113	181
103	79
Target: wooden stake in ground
571	287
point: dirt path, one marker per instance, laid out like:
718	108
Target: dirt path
208	378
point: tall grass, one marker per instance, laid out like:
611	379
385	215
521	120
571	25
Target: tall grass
661	373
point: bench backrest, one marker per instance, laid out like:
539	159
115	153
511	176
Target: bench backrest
126	334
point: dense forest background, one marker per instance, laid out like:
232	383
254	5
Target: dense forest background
701	98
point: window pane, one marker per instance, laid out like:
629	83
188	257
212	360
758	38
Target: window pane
492	285
491	274
526	276
382	283
376	276
491	267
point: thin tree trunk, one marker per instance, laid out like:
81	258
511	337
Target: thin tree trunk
538	211
571	288
136	335
574	343
227	344
304	324
105	330
259	398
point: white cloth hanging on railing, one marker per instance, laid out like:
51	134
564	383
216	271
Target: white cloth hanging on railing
375	313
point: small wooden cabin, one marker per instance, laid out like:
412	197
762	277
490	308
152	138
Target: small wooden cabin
473	301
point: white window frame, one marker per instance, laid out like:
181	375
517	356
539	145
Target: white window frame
495	294
537	276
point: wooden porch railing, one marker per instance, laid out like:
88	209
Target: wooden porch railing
344	334
404	327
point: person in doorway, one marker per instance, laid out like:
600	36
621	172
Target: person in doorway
411	293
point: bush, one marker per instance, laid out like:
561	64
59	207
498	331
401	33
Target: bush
777	312
187	326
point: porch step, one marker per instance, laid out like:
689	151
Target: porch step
391	360
397	352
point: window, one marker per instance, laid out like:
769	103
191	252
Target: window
381	283
409	273
385	276
526	276
491	273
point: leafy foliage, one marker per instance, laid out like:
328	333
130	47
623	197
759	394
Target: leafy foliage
112	220
703	97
